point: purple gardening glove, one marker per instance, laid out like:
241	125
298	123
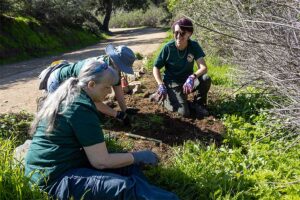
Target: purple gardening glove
162	92
189	84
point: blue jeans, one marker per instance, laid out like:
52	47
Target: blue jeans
124	183
53	83
177	100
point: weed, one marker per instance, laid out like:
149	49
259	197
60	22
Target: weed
15	125
139	56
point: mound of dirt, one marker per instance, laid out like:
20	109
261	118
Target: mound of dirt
154	124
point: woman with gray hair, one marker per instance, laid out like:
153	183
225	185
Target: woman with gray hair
68	157
120	58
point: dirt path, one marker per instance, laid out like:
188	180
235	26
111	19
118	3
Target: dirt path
19	83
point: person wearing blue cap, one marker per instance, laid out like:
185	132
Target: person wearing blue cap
121	58
68	157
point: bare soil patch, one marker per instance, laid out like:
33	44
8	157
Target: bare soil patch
155	122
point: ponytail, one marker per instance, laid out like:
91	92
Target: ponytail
64	95
58	101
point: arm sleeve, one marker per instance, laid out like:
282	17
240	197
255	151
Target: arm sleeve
86	126
198	51
161	58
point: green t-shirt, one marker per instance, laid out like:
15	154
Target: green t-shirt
178	64
73	69
51	154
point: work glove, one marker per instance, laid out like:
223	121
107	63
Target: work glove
132	111
161	92
122	116
189	84
145	157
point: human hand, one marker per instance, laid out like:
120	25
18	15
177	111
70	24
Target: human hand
122	116
132	111
146	157
189	84
162	92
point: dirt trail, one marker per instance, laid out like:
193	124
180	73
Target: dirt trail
19	83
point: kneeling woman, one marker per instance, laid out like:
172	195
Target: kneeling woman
68	155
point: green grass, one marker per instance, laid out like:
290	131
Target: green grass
13	183
221	74
24	37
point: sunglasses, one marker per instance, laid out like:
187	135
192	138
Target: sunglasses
181	33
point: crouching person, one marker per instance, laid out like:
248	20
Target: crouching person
178	57
68	157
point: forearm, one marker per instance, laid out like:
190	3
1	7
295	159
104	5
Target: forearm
202	68
157	75
117	160
105	109
200	72
101	159
120	97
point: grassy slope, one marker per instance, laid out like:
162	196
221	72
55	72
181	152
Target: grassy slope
22	38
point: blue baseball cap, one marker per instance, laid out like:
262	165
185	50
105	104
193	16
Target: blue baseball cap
122	56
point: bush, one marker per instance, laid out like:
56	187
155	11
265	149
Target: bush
152	17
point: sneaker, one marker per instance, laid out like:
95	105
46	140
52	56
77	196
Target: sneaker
201	111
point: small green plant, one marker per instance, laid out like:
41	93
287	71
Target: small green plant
15	125
139	56
149	121
115	145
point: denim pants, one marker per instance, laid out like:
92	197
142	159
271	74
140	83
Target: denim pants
177	101
124	183
53	83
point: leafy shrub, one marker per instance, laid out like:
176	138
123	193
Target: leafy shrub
199	172
152	17
246	103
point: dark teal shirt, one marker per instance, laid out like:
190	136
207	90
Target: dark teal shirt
52	154
73	69
178	64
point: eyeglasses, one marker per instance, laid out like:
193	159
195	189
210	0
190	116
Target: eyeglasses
181	33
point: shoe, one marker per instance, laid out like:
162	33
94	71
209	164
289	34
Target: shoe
201	111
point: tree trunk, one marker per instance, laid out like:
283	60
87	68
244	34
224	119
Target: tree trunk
108	10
